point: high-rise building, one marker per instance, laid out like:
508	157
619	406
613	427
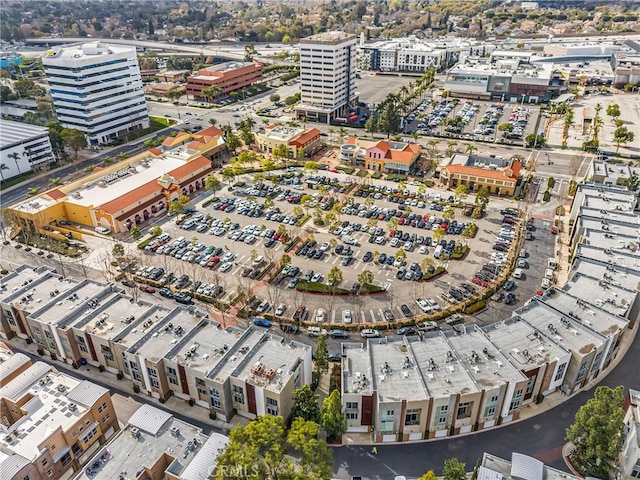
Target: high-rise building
97	89
328	76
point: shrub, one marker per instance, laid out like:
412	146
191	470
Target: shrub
347	170
376	175
302	220
136	388
475	307
146	242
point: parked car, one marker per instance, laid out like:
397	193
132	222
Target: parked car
337	333
407	331
261	322
369	333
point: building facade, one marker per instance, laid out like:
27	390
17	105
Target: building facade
128	193
328	76
24	148
630	451
52	423
162	351
226	78
300	142
97	89
499	175
381	155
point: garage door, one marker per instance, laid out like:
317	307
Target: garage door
415	436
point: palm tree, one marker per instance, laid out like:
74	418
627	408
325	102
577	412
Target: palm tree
451	147
213	121
3	167
15	156
470	149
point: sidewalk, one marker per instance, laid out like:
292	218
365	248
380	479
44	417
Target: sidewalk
527	411
181	408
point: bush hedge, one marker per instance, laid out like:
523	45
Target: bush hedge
347	170
290	245
146	242
475	307
302	220
376	175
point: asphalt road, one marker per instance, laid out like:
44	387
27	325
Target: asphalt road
13	195
541	436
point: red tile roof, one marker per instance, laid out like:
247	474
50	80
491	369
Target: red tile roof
305	137
56	194
122	202
155	151
211	131
514	171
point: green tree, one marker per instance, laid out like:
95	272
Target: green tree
461	192
365	277
274	97
454	470
228	174
449	214
334	277
73	139
430	475
282	152
371	125
155	230
482	197
311	167
633	182
136	233
333	420
213	121
263	449
613	111
389	120
212	183
118	250
232	141
322	355
535	140
622	135
306	406
597	432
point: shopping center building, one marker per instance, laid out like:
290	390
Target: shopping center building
127	193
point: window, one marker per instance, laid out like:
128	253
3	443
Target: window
202	390
351	415
81	343
87	421
52	448
272	406
441	415
515	401
531	384
464	410
581	372
49	472
102	407
44	462
490	411
214	396
560	373
106	417
238	394
351	406
412	416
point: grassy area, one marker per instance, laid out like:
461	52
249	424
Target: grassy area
476	307
347	170
370	288
429	276
457	255
160	122
362	173
376	175
312	287
16	180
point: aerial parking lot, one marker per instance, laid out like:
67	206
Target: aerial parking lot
415	241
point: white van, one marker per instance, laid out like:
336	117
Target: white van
438	251
517	273
316	331
548	273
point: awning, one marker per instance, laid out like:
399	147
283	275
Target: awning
60	453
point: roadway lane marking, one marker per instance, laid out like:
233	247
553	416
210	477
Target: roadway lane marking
373	315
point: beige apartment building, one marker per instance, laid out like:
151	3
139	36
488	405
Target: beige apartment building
51	423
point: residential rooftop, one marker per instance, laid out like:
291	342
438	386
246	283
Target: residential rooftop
271	362
561	327
160	337
151	434
19	279
49	408
236	354
204	346
40	292
613	274
357	376
612	298
396	374
83	295
11	362
512	335
282	133
110	317
612	226
611	249
520	466
134	329
588	314
441	367
470	349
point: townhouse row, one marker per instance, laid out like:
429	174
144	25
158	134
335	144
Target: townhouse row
161	350
442	384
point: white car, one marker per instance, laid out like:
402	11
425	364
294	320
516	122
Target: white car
103	230
369	333
316	277
320	315
546	283
394	242
264	306
281	309
325	247
347	316
258	261
225	267
228	257
423	250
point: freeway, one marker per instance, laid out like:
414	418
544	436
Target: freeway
541	436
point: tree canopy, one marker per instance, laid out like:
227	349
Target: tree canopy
306	406
597	432
333	420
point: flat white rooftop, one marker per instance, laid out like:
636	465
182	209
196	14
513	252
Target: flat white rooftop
612	274
46	411
134	330
513	335
441	367
14	133
90	50
19	280
128	179
80	296
611	298
357	376
40	292
151	433
396	374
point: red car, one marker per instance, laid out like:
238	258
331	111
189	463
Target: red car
147	288
554	230
333	170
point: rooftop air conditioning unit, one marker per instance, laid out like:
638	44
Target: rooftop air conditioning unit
135	432
73	407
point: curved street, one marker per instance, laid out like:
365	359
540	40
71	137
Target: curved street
541	436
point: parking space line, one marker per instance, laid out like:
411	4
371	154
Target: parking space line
333	316
381	314
335	260
364	316
373	315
